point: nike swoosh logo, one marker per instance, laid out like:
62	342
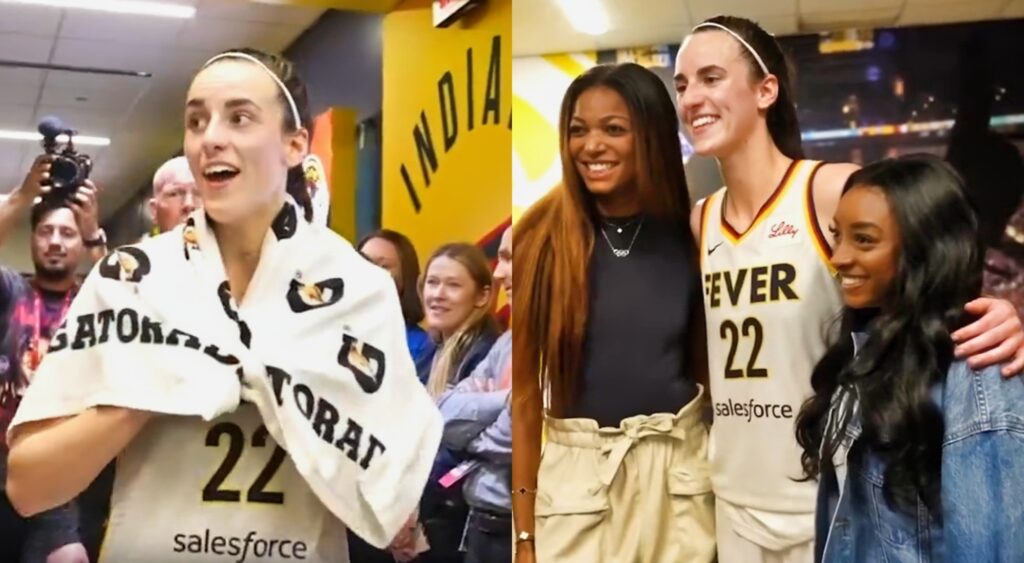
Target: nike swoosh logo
714	248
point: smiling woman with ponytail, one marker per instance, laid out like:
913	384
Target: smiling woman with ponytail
231	329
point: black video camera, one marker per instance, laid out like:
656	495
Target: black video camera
69	169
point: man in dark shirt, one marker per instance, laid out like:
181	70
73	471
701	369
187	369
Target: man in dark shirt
31	309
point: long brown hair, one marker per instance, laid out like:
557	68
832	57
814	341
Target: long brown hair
409	264
555	237
480	321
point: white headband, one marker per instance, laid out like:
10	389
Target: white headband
252	59
760	63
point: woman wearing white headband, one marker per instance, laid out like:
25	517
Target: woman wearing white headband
770	291
284	297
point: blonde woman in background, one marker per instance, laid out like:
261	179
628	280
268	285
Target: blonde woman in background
458	298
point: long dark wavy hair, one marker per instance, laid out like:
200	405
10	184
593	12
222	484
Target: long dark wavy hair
908	346
781	119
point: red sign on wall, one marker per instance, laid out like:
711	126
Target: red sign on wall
447	11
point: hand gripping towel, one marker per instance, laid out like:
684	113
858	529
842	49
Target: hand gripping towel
317	344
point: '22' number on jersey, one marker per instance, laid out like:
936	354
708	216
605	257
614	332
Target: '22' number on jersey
751	327
236	443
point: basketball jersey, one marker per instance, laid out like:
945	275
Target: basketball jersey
770	298
215	491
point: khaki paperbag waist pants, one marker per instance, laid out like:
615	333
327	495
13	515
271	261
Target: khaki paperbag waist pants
639	493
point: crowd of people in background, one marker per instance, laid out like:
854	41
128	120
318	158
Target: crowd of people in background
453	333
905	416
465	363
893	437
452	329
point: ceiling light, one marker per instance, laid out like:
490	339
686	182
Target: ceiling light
136	7
587	16
33	136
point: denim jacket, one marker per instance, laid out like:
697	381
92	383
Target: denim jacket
447	458
982	491
479	424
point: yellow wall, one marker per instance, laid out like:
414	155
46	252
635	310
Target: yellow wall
466	191
343	172
539	83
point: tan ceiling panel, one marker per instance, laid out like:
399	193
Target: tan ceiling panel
1014	9
934	13
629	14
811	6
823	21
142	116
359	5
539	27
703	9
780	25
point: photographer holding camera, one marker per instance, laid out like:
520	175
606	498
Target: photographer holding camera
65	225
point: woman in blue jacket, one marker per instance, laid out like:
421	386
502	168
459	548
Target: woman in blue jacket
918	459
